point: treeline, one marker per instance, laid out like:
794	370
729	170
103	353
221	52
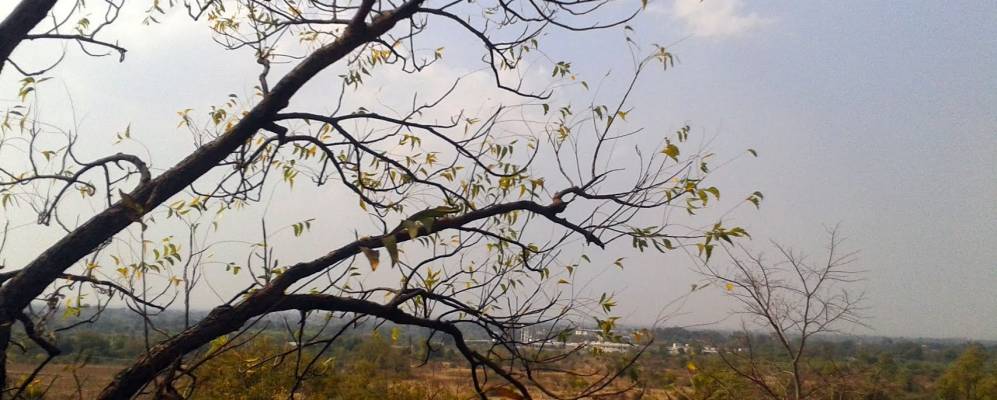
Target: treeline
861	368
368	360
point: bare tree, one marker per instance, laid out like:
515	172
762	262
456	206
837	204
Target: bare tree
487	241
793	299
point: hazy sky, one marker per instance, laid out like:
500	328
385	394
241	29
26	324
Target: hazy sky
880	116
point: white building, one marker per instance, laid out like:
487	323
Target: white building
677	348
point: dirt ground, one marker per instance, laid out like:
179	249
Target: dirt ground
86	385
59	382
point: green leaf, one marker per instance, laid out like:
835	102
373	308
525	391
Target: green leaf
391	244
705	248
412	227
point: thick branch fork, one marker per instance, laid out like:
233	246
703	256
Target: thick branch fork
270	298
368	23
18	292
43	270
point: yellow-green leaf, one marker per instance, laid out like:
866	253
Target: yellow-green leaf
671	151
412	227
391	244
691	366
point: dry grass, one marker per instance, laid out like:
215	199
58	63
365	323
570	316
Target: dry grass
90	379
61	383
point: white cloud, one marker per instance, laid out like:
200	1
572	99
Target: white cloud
716	18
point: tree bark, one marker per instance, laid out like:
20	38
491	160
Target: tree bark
33	278
25	16
271	298
43	270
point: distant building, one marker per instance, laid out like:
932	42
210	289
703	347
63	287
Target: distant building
677	348
611	347
587	332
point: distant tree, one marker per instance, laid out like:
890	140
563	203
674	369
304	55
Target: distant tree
478	211
793	299
973	376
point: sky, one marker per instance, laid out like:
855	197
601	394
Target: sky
878	117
